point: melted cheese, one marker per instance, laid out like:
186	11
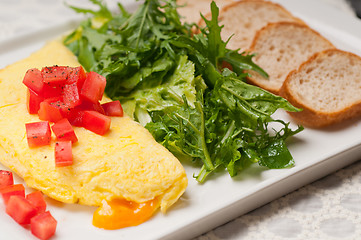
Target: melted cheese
126	163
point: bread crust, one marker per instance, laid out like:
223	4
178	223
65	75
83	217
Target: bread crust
310	116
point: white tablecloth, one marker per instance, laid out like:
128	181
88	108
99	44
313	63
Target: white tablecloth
327	209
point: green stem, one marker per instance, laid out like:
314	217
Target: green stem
207	158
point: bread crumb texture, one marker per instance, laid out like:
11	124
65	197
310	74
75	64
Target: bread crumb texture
280	48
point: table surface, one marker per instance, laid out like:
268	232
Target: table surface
329	208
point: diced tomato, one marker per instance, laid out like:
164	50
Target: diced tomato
67	92
71	95
96	122
56	74
63	154
34	80
93	87
75	117
8	191
20	209
33	101
78	76
6	178
38	133
86	105
43	226
113	108
49	112
37	200
57	102
52	90
64	131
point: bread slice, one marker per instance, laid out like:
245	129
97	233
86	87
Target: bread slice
245	18
190	9
327	87
280	48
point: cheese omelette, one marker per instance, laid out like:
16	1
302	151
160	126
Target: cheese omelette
126	163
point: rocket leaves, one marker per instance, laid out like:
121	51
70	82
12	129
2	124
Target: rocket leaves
173	82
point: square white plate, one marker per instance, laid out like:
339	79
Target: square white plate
220	199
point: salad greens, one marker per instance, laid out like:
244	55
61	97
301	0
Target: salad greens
173	83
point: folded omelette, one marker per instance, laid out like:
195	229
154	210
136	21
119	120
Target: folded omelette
126	163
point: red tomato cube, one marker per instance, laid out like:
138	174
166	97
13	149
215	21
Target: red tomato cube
77	76
43	226
63	154
64	131
55	74
93	87
96	122
71	96
6	178
86	105
34	80
53	90
37	200
20	209
113	109
49	112
75	117
33	101
38	133
57	102
8	191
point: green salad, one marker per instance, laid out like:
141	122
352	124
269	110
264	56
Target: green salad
173	82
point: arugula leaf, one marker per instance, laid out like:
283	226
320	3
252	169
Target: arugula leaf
172	82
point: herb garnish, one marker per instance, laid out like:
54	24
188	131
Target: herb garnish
172	82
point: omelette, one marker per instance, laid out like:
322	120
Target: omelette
126	164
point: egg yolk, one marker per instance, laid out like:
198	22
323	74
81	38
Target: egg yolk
120	213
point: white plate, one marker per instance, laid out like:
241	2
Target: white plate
220	199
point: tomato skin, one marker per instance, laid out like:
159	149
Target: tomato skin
37	200
43	226
33	101
34	80
57	102
64	131
8	191
113	108
86	105
38	134
20	209
48	112
6	178
63	154
96	122
75	117
93	87
56	74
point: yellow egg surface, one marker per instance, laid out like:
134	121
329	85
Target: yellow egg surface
126	163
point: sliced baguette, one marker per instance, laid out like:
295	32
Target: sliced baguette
327	87
245	18
280	48
190	10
